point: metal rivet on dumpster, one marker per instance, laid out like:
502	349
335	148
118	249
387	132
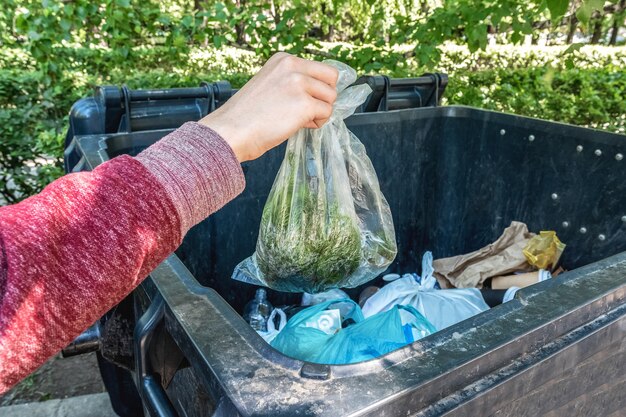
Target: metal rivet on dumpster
598	152
619	157
579	148
601	237
583	230
531	138
565	224
502	132
624	219
554	196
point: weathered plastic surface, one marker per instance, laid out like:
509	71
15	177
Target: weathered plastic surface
454	177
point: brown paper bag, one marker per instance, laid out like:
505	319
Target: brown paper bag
502	257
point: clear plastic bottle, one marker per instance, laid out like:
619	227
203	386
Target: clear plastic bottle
258	311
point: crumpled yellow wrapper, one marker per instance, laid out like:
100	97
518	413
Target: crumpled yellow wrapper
544	250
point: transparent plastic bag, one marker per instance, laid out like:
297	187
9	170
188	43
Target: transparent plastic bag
326	223
320	297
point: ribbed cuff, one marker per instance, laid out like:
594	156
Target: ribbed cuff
198	170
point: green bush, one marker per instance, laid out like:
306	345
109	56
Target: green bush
586	97
459	58
30	119
34	106
586	88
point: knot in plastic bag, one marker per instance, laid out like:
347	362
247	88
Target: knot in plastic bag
349	97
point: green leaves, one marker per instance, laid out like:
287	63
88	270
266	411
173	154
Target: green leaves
63	48
572	48
557	9
476	37
587	8
590	97
290	25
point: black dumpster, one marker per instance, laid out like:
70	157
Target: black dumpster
454	177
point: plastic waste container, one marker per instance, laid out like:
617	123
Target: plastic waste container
454	177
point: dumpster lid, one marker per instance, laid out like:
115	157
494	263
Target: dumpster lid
114	109
403	93
122	110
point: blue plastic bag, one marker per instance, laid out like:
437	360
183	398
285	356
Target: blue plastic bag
365	339
300	341
375	336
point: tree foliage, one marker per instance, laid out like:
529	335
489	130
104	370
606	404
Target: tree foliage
373	28
52	52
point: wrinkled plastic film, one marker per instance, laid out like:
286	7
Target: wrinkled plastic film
326	223
303	338
442	308
544	250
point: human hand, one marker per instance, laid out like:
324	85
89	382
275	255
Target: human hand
287	94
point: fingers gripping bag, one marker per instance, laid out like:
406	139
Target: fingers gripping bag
326	223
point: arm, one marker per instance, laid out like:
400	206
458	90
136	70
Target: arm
70	253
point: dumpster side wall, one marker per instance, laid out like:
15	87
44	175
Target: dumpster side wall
495	168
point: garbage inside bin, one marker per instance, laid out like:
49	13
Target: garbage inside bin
348	332
335	330
313	299
366	294
303	341
516	251
338	331
367	338
272	331
502	257
494	298
442	308
518	280
544	250
257	311
326	223
375	336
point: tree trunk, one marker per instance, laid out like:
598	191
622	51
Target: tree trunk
198	6
617	22
614	31
573	22
597	30
331	33
326	35
275	12
239	26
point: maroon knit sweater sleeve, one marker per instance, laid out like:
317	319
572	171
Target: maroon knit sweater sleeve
70	253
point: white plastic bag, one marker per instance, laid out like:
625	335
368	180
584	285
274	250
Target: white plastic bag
272	331
442	308
326	223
